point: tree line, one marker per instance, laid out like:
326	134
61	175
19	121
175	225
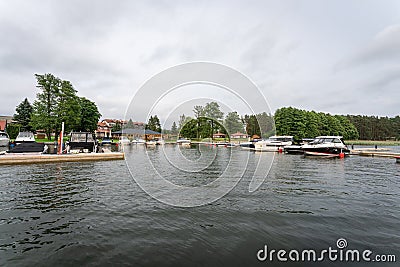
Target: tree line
209	119
309	124
376	128
299	123
56	102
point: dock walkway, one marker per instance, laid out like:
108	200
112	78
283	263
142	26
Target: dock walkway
374	153
12	159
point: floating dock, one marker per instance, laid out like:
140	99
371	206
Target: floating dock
374	153
12	159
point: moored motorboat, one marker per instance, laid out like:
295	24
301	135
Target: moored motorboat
138	142
159	141
151	143
4	139
29	148
106	141
81	142
183	141
25	144
297	148
273	144
124	140
224	144
25	137
247	145
326	146
293	149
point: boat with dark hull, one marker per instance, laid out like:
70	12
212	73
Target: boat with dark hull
81	142
29	147
297	147
247	145
326	146
294	149
4	139
25	144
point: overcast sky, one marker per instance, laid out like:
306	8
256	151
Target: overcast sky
341	57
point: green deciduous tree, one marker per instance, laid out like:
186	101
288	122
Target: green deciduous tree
233	123
68	109
252	126
117	127
198	111
266	123
212	110
45	106
58	102
90	115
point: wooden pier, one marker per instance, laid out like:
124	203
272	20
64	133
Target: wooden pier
386	153
12	159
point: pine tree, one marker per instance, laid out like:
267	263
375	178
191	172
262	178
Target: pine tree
174	128
23	115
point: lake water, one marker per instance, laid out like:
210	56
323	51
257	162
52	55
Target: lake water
94	213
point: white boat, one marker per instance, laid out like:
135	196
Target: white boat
159	141
224	144
183	141
124	140
273	144
326	146
4	139
138	141
25	144
25	137
151	143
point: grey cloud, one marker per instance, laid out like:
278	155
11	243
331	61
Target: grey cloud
108	49
384	48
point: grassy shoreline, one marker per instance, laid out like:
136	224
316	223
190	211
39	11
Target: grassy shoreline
372	143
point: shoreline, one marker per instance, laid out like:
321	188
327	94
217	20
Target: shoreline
372	143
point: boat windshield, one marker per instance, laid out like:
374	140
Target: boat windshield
81	137
280	139
25	134
325	140
3	134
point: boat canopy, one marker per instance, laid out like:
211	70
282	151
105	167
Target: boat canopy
81	137
25	134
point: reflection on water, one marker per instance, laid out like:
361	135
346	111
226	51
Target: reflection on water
94	213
